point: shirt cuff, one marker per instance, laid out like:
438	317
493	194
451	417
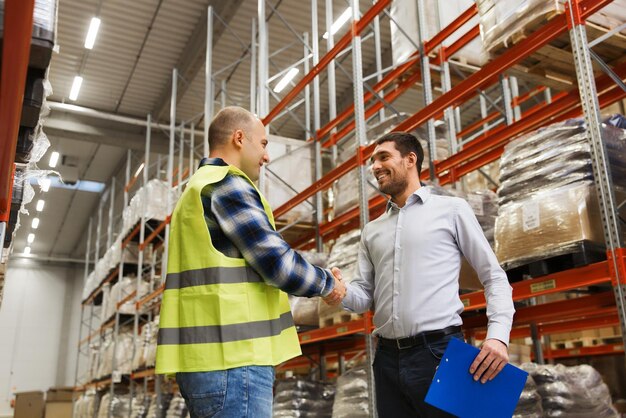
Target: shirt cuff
348	300
499	332
327	289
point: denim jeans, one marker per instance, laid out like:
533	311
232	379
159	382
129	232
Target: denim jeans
235	393
402	379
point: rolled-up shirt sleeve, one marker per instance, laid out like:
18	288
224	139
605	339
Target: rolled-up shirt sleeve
478	252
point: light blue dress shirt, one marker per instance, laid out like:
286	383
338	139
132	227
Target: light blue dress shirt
408	268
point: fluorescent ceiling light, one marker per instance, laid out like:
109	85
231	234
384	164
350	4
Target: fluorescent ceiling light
286	79
92	32
27	250
54	159
337	24
80	185
31	238
78	81
139	169
40	204
45	184
35	223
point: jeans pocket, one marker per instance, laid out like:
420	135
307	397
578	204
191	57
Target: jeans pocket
437	349
204	392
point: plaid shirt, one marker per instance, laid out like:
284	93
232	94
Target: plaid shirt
240	228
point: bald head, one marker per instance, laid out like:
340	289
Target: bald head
226	122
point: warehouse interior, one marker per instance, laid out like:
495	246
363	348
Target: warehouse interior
106	104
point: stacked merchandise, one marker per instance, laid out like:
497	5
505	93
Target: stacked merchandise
157	409
122	350
529	404
437	15
177	408
548	204
573	392
343	256
352	396
139	406
302	398
502	20
150	202
122	291
118	404
145	348
305	310
86	405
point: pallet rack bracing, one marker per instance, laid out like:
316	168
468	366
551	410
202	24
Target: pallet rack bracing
487	148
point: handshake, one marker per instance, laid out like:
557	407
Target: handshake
339	291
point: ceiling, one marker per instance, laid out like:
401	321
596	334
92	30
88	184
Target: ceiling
128	75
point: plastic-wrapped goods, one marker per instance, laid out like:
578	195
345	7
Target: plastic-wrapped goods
90	285
124	352
305	311
145	349
122	291
119	405
529	404
351	398
85	406
547	223
158	410
105	357
501	20
177	408
302	398
437	15
153	197
484	203
343	256
290	171
573	392
314	257
139	406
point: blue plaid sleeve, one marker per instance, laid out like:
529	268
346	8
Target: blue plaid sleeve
238	210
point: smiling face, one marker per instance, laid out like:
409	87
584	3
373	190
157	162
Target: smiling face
391	169
253	150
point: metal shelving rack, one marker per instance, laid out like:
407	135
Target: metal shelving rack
479	149
477	144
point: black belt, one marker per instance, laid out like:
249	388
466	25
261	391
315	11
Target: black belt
421	339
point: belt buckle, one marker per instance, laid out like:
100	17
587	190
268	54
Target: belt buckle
402	347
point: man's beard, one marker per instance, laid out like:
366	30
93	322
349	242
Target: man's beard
394	187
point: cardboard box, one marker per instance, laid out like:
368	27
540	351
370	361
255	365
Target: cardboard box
29	405
58	409
63	394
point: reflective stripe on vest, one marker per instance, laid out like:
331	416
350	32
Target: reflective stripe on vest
226	333
212	275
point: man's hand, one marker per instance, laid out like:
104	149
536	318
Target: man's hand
339	291
493	356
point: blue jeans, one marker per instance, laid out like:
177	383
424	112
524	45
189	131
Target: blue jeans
235	393
402	379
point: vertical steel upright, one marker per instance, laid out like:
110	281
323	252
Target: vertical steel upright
599	158
361	141
319	204
426	87
253	87
208	82
332	95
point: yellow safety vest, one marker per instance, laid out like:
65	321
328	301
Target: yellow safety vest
217	312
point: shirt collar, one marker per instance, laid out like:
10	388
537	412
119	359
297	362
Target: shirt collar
422	194
211	161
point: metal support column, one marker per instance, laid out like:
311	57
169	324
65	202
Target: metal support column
599	158
506	99
208	84
192	145
181	150
263	61
110	220
426	87
379	65
253	93
332	94
319	203
170	166
361	141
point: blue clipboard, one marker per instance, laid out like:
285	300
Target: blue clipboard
454	390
